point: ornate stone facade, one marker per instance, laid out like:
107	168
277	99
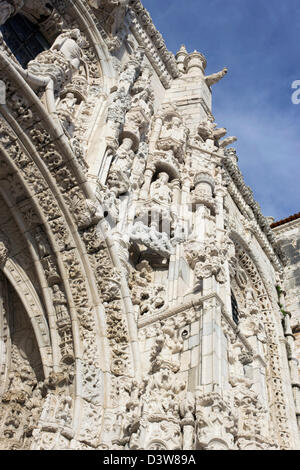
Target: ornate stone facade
141	288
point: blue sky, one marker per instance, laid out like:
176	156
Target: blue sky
259	42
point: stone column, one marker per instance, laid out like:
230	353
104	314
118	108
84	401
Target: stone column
178	264
195	64
188	425
219	195
202	201
174	263
212	370
225	289
180	58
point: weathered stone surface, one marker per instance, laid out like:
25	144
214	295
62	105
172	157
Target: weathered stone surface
143	299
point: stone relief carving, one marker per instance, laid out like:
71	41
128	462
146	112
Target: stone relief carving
160	190
62	60
153	161
150	298
173	137
155	423
209	136
206	259
22	399
156	241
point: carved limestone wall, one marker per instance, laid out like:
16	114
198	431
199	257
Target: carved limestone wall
132	254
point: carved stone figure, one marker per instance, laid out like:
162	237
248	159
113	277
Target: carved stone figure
3	253
124	158
150	237
215	77
62	61
60	305
206	260
68	103
144	299
69	44
160	190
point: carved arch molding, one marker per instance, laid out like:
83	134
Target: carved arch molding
257	299
68	343
56	264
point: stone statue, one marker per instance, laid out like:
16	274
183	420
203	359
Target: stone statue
124	158
60	305
228	141
173	129
215	77
160	190
69	44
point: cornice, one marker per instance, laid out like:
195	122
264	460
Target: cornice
145	32
247	195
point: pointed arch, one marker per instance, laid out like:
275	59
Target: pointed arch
278	371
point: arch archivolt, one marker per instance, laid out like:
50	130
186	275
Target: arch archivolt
34	309
46	190
257	300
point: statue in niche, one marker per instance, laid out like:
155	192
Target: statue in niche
60	305
250	299
66	109
160	190
124	158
